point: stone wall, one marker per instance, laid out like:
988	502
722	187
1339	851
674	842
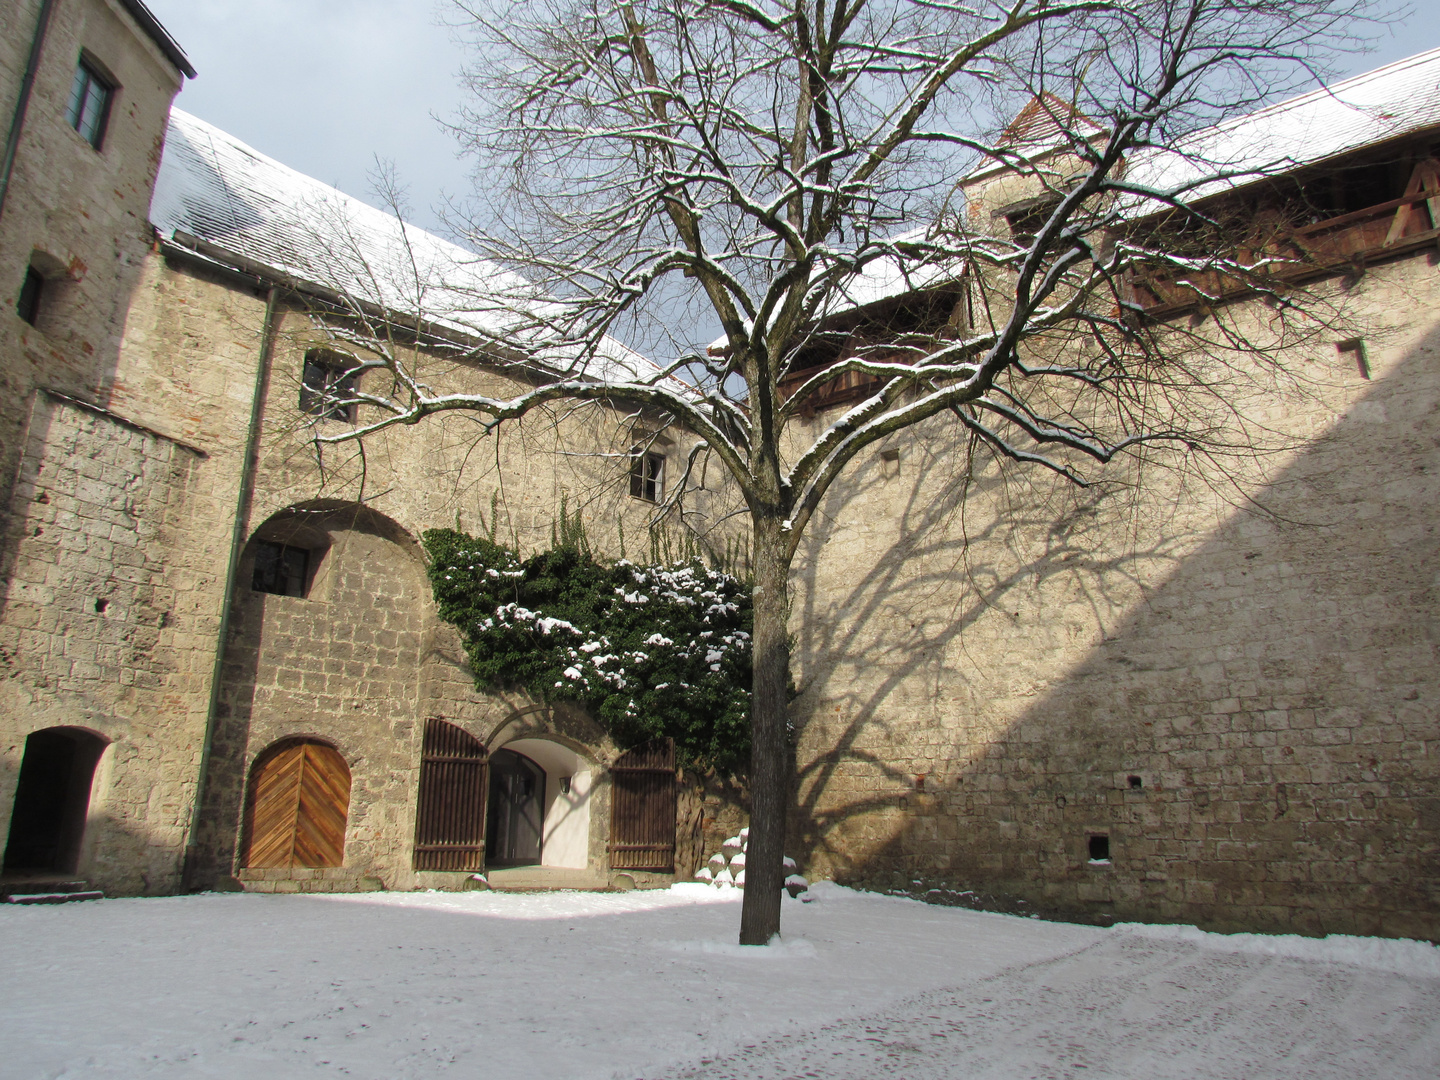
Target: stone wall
996	668
78	213
96	630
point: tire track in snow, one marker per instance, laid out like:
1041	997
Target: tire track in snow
1126	1007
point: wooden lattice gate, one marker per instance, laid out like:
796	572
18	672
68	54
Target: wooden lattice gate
642	814
450	818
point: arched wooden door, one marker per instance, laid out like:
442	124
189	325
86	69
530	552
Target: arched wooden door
296	807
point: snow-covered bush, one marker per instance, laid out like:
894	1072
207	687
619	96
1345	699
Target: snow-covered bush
653	651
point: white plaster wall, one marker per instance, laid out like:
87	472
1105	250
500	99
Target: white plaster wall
566	836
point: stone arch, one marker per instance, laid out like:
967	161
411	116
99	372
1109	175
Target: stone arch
312	527
339	660
52	800
574	752
564	723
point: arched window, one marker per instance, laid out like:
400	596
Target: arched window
52	800
296	806
450	817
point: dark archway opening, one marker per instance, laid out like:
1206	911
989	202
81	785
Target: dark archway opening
52	801
516	813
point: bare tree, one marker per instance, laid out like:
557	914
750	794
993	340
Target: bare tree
782	163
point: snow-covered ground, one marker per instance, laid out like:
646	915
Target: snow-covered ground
649	984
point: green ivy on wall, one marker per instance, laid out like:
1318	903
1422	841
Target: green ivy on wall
652	651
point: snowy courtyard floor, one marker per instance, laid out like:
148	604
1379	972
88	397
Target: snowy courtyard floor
649	984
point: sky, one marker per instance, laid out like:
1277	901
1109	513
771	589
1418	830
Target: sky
327	86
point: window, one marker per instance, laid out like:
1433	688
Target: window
1099	847
647	476
29	306
1026	219
89	108
1355	350
327	386
280	569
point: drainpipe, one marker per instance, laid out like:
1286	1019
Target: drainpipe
12	140
238	536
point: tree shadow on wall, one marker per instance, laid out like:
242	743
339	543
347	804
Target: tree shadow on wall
1251	735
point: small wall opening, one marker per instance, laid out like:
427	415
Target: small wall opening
52	801
1099	845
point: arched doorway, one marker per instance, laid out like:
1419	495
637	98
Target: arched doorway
52	800
296	806
516	810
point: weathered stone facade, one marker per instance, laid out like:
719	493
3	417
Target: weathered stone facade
995	670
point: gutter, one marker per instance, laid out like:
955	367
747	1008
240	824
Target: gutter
147	22
238	535
12	139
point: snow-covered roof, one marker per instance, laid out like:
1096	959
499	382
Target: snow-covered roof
214	188
1391	101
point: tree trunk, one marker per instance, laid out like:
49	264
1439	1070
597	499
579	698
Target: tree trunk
769	733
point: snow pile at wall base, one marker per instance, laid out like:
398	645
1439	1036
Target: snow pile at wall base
1401	957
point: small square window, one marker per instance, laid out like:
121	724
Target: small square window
29	306
280	569
327	386
1355	350
89	107
647	476
1025	223
1099	845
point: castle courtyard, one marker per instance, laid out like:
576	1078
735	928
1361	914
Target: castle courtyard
649	984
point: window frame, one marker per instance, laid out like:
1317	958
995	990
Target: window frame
342	375
287	578
645	484
90	75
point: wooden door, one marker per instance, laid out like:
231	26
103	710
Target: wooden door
515	818
296	807
450	817
642	809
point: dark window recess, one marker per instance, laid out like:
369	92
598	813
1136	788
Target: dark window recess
1099	849
1026	224
89	106
1355	349
1135	782
29	306
647	476
327	387
280	569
